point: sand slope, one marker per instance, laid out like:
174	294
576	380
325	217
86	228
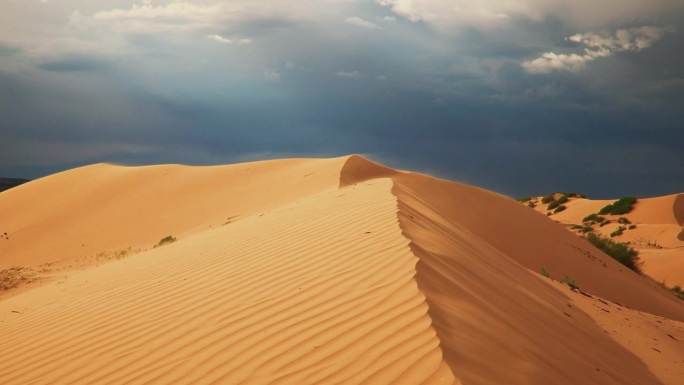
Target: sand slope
329	271
658	234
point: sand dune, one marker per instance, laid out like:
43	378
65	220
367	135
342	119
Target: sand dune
316	271
658	232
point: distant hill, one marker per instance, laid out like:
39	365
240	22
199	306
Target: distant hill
8	183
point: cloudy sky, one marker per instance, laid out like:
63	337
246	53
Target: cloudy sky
521	97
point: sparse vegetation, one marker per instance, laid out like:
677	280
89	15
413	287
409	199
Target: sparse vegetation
576	227
547	198
562	199
544	272
524	199
552	205
621	206
166	240
586	229
570	282
559	208
617	232
606	222
621	252
624	221
593	218
632	227
531	205
16	276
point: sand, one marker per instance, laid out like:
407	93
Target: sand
308	271
658	234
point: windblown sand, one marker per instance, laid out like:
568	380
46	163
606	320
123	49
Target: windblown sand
308	271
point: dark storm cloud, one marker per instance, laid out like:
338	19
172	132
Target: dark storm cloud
74	64
246	80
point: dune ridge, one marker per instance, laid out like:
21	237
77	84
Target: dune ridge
322	271
328	298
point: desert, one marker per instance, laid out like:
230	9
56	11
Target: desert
309	271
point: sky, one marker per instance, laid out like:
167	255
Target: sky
520	97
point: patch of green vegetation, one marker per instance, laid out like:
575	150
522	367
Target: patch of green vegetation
575	227
624	221
586	229
593	217
552	205
166	240
547	198
632	227
524	199
621	206
531	205
562	199
544	272
606	222
617	232
16	276
559	208
574	195
570	282
620	252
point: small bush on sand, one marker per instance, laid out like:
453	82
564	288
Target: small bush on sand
524	199
552	205
587	229
620	252
617	232
544	272
562	199
559	209
166	240
593	218
547	198
570	282
621	206
624	221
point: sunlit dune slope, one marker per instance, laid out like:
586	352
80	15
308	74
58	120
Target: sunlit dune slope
655	228
331	271
104	208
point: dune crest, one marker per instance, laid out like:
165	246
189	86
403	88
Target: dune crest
307	271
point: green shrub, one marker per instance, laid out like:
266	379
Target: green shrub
559	208
617	232
166	240
618	251
570	282
552	205
675	288
575	227
547	198
562	199
606	222
624	221
593	217
531	205
587	229
544	272
621	206
524	199
632	227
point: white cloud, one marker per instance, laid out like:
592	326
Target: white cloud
583	14
271	75
359	22
245	41
550	61
596	45
220	39
348	74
